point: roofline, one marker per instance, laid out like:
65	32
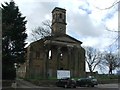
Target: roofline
59	9
74	39
49	37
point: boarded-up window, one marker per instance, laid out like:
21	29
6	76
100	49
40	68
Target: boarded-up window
37	55
41	55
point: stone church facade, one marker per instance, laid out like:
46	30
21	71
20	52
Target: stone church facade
56	52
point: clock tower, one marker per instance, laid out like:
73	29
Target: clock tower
58	21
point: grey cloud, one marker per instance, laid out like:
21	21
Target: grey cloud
35	14
86	7
110	13
83	25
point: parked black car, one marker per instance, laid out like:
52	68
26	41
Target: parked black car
87	82
66	82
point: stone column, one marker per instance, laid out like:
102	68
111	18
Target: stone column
76	61
58	57
73	60
81	61
46	67
79	58
69	57
30	63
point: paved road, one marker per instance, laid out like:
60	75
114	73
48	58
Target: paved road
24	85
57	88
99	87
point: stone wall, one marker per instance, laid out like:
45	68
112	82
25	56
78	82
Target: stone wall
73	60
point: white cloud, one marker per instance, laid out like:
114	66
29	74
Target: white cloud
84	21
101	3
87	27
83	25
113	22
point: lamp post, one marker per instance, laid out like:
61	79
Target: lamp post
14	85
15	65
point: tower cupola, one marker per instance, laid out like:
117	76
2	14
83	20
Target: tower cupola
58	21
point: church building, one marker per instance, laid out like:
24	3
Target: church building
56	52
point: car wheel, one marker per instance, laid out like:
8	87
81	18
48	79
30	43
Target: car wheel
87	85
74	86
71	86
80	85
65	86
92	85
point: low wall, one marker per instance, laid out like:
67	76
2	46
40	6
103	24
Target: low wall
108	81
43	82
52	82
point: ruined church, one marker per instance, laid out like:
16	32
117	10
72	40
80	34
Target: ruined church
56	52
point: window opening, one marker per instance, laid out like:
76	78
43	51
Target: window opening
50	55
61	56
60	15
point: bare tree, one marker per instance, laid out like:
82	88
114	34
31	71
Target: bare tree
93	58
109	7
42	31
111	61
115	39
114	4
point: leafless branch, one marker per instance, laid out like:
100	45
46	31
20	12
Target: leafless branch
117	37
115	3
93	58
42	31
114	41
111	61
47	23
111	30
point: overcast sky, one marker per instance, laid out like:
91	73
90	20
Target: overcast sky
85	21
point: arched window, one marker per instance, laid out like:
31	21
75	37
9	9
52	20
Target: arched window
50	55
60	15
61	68
61	56
54	16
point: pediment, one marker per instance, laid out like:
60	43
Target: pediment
67	38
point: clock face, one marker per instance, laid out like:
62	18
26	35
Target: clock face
61	30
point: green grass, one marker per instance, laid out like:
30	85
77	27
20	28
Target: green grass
40	78
104	76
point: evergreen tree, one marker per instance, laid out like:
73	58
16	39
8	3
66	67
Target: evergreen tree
13	39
